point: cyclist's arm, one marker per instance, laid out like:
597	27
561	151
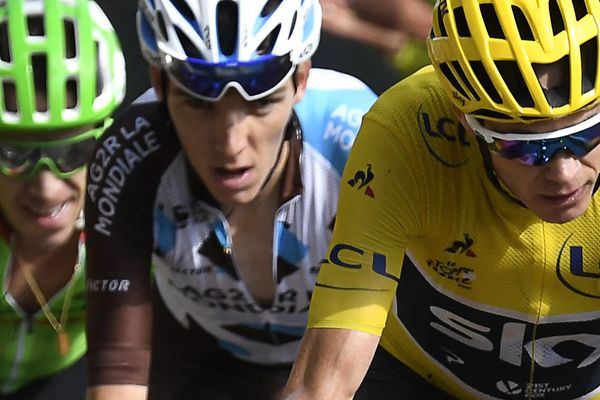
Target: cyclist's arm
331	364
119	239
117	392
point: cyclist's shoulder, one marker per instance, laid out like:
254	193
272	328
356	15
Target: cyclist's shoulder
328	80
131	158
398	105
410	107
145	111
330	89
331	112
140	130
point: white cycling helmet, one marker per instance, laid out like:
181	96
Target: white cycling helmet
207	46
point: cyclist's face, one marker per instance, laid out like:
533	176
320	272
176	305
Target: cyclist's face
560	190
43	208
233	144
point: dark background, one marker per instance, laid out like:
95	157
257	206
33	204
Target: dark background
336	53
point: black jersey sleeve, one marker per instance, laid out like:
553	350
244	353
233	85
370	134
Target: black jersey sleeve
123	177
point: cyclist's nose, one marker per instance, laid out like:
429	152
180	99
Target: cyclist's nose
233	132
563	167
44	183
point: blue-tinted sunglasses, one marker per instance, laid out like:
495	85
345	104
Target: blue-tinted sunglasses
209	81
540	148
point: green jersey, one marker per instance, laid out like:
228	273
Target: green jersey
28	342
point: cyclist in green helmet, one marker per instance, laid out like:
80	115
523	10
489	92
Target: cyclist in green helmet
61	77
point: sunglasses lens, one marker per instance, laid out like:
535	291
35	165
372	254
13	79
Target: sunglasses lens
208	81
525	152
17	160
539	152
62	159
578	139
69	158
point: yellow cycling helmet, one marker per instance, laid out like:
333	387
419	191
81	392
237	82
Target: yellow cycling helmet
490	54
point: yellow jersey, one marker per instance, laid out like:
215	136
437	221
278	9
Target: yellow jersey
464	284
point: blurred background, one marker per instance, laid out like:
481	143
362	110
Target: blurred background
378	41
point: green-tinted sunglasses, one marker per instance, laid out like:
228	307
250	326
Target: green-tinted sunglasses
64	157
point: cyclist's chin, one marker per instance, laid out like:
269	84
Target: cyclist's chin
235	196
561	213
51	228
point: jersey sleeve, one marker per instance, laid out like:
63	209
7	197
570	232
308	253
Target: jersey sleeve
376	217
122	180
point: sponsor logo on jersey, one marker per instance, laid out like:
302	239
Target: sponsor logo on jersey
342	126
509	387
361	181
463	276
578	272
437	132
235	300
193	271
352	257
462	246
493	350
115	159
108	285
532	390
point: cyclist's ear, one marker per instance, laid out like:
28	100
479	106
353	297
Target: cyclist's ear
156	77
301	77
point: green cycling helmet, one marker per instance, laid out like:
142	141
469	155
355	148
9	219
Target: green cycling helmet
67	72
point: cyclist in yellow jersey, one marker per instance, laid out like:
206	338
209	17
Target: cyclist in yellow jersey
465	258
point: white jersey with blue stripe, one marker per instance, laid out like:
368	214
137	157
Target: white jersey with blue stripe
161	209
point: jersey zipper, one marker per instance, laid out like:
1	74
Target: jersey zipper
227	242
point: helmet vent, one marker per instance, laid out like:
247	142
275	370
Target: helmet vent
293	24
188	47
99	77
461	22
441	11
558	25
35	25
72	93
184	9
227	26
70	47
491	22
516	83
267	45
485	81
452	79
270	7
491	114
161	25
558	94
39	64
580	9
10	96
4	43
589	65
463	77
522	24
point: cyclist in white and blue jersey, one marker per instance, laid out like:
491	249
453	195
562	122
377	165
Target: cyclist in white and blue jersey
227	184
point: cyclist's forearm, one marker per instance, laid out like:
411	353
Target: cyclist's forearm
117	392
331	364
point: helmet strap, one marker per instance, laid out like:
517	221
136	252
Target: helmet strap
491	173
